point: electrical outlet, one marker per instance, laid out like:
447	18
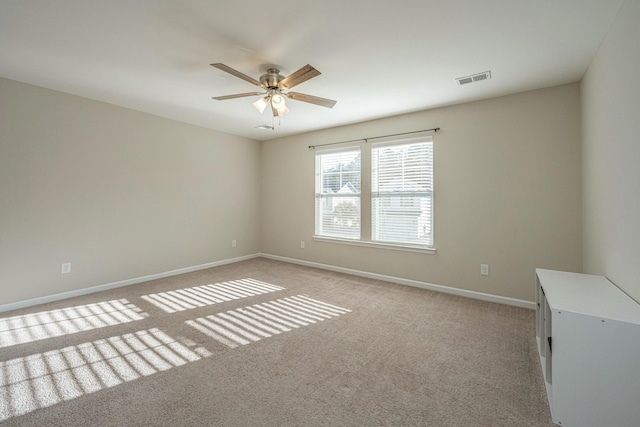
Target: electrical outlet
233	243
484	269
301	244
66	268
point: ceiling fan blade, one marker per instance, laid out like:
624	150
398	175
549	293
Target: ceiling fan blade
236	73
323	102
302	75
237	95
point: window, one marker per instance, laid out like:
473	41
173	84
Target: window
402	193
338	194
394	207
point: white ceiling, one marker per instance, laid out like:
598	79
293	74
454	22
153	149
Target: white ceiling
377	58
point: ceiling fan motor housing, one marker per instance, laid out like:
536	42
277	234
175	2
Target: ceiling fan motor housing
271	78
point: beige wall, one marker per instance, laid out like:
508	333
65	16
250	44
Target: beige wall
118	193
611	146
507	193
122	194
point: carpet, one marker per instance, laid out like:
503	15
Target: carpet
267	343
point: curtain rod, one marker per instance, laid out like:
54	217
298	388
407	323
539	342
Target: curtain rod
375	137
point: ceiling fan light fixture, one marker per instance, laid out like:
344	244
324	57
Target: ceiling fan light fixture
261	104
277	101
282	111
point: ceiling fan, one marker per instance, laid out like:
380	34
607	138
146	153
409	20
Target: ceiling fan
276	88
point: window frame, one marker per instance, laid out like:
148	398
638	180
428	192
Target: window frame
425	195
366	196
321	198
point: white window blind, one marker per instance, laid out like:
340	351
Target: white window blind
338	191
402	192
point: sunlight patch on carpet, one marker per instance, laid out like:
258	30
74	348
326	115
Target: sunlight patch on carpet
54	323
253	323
45	379
202	296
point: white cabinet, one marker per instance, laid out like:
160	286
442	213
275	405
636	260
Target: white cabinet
588	335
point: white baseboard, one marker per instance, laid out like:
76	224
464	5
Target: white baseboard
93	289
445	289
398	280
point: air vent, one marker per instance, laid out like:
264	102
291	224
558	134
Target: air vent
474	78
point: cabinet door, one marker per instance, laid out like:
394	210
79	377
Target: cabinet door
596	370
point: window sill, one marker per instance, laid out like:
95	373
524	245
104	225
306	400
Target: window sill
417	249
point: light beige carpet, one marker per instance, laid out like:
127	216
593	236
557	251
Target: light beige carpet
266	343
